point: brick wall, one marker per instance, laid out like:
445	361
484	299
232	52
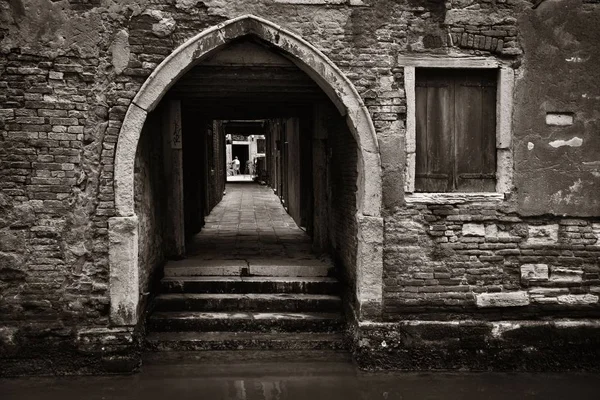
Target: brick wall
454	261
56	194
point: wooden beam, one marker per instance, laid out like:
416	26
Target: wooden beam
173	167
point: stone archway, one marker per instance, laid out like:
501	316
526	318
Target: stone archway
123	237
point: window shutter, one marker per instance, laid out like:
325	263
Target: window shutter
435	122
475	132
455	130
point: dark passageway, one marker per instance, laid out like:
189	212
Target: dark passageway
262	266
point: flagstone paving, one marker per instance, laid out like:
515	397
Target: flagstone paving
250	222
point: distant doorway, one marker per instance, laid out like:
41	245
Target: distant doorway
242	152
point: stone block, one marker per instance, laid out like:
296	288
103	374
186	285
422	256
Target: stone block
596	230
534	272
104	340
559	119
370	260
123	263
125	159
7	113
577	299
409	182
310	2
543	234
120	51
55	75
390	156
505	299
473	230
565	275
491	231
505	111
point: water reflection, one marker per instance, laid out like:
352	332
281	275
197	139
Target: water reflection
302	381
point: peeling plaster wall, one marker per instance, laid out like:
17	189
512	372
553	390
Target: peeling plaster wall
560	174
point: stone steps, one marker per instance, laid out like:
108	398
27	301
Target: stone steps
251	304
174	321
265	302
202	341
231	284
251	267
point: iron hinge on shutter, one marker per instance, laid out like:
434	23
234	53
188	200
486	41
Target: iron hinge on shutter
476	176
432	176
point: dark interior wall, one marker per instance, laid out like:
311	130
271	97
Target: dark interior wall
219	171
272	131
293	176
211	156
150	200
342	176
194	130
203	168
215	145
289	164
306	174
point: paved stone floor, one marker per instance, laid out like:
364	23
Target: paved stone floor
250	222
291	377
240	178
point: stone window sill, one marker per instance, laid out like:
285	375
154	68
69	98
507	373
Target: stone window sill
453	198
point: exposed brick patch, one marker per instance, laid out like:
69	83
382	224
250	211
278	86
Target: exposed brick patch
445	256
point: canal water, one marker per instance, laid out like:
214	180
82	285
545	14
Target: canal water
278	379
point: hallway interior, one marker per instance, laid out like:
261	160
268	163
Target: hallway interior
254	268
249	222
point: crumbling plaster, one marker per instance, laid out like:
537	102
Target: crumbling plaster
557	164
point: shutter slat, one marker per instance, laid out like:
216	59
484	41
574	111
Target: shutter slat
440	121
488	135
473	152
421	137
434	133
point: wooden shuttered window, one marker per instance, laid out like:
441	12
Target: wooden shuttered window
456	130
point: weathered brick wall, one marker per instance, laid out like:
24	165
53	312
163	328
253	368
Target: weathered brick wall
68	72
57	196
488	26
455	261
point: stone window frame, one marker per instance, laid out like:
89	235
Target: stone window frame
504	111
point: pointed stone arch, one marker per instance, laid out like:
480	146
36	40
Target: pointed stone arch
124	291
